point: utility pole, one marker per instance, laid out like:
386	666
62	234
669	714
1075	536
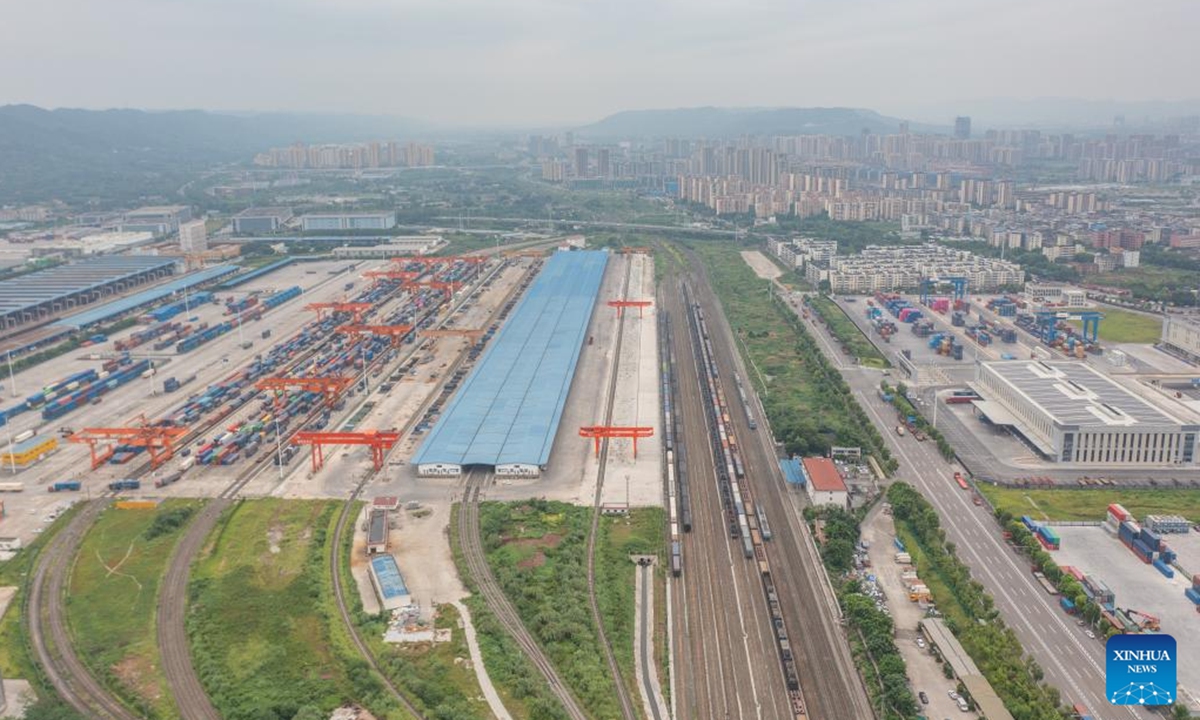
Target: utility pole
12	378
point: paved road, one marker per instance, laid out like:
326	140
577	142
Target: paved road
725	657
832	687
1072	662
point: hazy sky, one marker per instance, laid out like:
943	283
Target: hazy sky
477	62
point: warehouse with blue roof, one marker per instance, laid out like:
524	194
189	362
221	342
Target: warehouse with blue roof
507	411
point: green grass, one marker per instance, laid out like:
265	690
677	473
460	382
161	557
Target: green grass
537	551
809	404
641	533
117	567
520	686
847	333
437	678
1124	326
1091	504
259	620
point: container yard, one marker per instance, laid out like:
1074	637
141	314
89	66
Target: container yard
1141	589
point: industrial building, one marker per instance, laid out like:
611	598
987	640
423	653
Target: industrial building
389	583
904	267
398	246
159	220
261	220
317	222
119	307
506	413
1181	337
824	484
1072	413
377	531
39	295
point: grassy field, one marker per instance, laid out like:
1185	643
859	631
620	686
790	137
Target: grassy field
1124	326
639	534
1091	504
809	404
120	564
260	623
847	333
536	550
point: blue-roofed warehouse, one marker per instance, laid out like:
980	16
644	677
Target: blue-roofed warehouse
108	311
389	583
506	413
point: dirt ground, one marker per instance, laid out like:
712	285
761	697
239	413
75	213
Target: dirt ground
761	265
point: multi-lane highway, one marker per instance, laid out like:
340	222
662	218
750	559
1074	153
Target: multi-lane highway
1072	662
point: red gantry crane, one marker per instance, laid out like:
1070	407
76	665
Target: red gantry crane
395	332
356	309
446	287
402	275
620	305
598	432
331	387
377	440
158	441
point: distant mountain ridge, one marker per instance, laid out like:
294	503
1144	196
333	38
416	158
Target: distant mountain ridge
124	154
715	122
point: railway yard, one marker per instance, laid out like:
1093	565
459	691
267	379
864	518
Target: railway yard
410	392
324	379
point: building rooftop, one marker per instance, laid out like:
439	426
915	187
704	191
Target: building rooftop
28	291
156	210
387	573
823	475
108	310
507	411
981	691
377	527
273	211
792	471
1075	394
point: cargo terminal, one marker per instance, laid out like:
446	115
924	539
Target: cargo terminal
1072	413
507	412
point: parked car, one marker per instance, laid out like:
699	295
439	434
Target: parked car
924	697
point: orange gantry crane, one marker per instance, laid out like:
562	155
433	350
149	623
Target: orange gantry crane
620	305
422	260
395	332
356	309
599	432
446	287
378	441
158	441
331	387
403	275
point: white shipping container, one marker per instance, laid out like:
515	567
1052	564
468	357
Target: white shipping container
187	463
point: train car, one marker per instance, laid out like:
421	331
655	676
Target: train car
763	526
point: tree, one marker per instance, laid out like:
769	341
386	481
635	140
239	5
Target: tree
309	712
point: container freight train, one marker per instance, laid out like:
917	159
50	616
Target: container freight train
677	503
92	391
751	525
166	312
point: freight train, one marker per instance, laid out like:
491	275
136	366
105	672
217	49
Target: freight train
679	506
747	519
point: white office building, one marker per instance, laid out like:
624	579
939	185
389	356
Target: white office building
1074	414
193	238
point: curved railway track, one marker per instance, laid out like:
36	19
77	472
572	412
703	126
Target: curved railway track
473	553
46	616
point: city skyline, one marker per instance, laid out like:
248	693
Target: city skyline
546	64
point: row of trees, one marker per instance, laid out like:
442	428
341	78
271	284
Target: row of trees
872	630
971	615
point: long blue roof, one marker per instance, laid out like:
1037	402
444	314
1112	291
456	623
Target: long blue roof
508	409
112	309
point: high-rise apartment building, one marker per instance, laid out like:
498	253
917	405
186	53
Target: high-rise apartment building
192	237
603	168
962	127
581	162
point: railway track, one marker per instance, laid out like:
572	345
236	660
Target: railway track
344	518
46	617
473	553
627	706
